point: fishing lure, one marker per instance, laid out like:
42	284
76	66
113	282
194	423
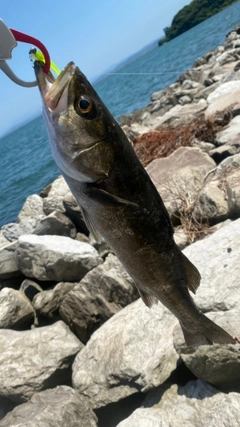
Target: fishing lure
8	41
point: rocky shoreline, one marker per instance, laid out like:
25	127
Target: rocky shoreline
78	347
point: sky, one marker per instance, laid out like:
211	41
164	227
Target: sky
95	34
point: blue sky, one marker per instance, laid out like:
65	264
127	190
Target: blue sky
94	34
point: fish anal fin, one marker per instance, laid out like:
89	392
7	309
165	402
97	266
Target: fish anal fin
148	299
90	226
192	274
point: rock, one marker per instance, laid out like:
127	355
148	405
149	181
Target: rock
226	57
220	153
33	207
57	407
100	294
179	176
180	238
84	313
8	261
58	188
231	134
30	288
32	361
217	259
196	404
55	257
3	240
54	203
16	311
189	84
136	129
220	197
156	96
222	103
74	213
204	146
137	354
27	225
219	365
223	90
178	115
211	204
186	99
46	304
56	224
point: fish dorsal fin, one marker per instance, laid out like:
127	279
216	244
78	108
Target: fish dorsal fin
90	226
148	299
192	274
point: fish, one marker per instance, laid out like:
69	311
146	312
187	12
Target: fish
118	200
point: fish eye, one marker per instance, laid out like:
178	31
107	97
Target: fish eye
85	106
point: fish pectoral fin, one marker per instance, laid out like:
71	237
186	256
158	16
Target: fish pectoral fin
192	274
90	226
103	197
148	299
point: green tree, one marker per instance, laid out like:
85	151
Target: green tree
192	14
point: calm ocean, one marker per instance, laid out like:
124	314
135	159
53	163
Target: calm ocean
26	164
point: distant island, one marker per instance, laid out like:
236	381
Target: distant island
191	15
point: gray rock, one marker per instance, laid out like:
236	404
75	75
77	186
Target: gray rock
84	313
32	361
46	304
157	95
74	213
219	365
30	288
230	133
196	404
179	176
27	225
220	197
100	294
137	354
58	407
32	207
180	238
56	224
217	259
223	90
189	84
3	240
55	257
211	204
16	311
178	115
222	103
233	192
54	203
186	99
204	146
8	261
58	188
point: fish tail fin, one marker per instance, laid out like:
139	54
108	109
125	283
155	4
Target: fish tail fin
210	333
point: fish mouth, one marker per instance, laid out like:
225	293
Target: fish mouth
54	91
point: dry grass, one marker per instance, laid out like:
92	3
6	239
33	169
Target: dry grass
162	143
193	228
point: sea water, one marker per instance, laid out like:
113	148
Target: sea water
26	163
